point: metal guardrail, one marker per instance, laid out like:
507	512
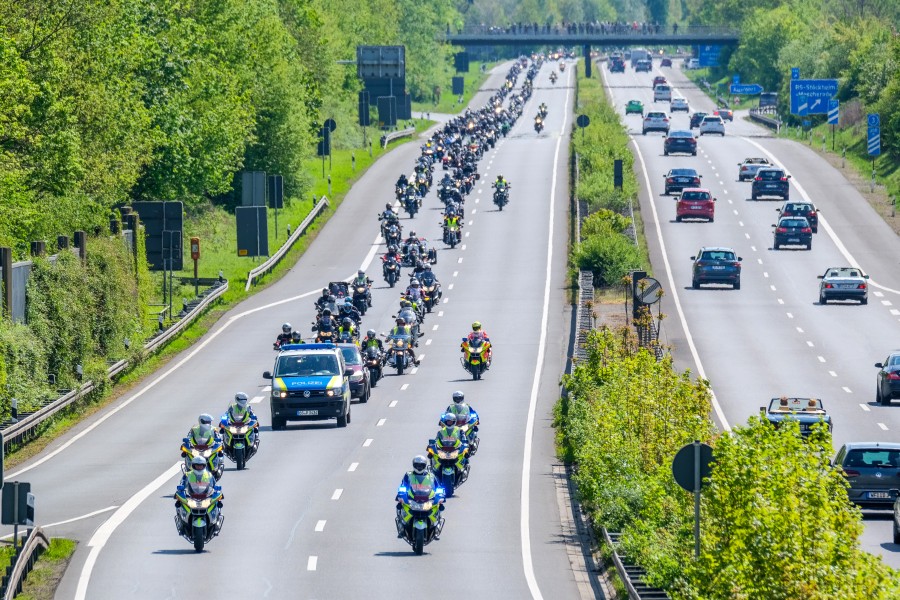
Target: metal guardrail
396	135
273	260
35	544
762	116
593	29
16	432
584	313
631	575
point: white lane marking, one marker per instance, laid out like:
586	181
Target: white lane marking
721	182
747	235
209	339
463	246
257	399
735	212
471	221
864	407
311	563
455	273
103	533
392	404
780	301
741	223
446	300
799	330
895	312
878	294
810	344
772	287
67	521
266	388
886	303
759	260
380	422
467	233
368	443
450	287
846	389
730	201
832	373
337	494
675	298
822	221
457	262
789	315
403	387
440	313
352	467
414	371
320	526
766	274
428	342
434	327
821	358
883	426
421	357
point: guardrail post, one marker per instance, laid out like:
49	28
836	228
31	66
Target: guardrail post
81	244
6	266
38	248
62	242
843	156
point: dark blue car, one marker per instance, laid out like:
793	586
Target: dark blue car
716	265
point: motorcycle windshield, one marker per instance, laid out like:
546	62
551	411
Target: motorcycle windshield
399	341
199	488
421	491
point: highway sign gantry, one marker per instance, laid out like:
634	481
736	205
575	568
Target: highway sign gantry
817	93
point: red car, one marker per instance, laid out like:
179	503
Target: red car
695	203
659	80
726	113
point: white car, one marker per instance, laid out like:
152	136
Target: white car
712	124
662	93
679	104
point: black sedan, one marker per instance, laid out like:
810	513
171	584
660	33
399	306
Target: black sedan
696	119
888	384
843	283
680	141
792	231
801	209
678	179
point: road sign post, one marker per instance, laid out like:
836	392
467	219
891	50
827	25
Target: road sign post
833	117
873	142
691	465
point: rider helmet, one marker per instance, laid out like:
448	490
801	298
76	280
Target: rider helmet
476	326
198	464
401	321
348	301
325	292
414	283
392	249
412	233
296	338
370	334
347	322
326	312
458	397
332	299
360	273
419	464
428	268
241	400
286	328
448	419
387	206
205	421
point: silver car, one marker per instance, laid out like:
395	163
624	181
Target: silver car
679	104
712	124
843	283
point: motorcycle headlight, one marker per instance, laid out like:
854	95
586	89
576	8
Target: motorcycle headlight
448	455
238	430
206	453
413	505
199	504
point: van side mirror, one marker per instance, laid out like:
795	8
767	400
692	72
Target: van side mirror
267	375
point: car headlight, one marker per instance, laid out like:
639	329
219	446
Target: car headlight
356	377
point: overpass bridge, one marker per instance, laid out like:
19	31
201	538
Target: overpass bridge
591	36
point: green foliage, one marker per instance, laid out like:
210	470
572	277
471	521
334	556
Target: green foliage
604	221
23	367
608	254
777	523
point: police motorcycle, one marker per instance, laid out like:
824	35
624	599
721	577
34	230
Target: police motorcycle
419	521
450	464
198	514
501	194
469	427
212	454
240	438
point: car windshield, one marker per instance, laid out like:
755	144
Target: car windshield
306	365
662	88
799	208
695	196
894	360
792	404
872	457
770	174
681	134
656	115
844	272
717	255
683	172
712	120
351	356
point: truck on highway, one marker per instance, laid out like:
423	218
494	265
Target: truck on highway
639	54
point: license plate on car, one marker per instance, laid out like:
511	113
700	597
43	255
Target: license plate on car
771	186
307	413
718	268
847	286
879	495
794	240
696	208
682	180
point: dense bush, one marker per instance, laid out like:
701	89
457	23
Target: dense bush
608	254
23	367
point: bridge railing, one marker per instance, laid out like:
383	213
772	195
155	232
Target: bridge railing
583	29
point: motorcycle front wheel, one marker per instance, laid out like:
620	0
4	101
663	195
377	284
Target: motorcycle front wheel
199	539
239	458
419	541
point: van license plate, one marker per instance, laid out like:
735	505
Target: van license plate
879	495
307	413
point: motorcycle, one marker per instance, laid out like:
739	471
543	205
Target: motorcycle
411	205
475	356
501	196
391	271
213	455
450	465
430	295
553	77
323	334
418	519
374	361
397	355
347	337
470	428
393	235
361	297
198	518
240	440
538	125
562	67
412	318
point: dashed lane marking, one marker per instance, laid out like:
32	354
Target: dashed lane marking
337	494
352	467
380	422
311	563
320	526
368	443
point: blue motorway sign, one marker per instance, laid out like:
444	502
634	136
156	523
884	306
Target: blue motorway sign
708	55
745	89
817	93
873	135
795	72
833	111
873	120
802	106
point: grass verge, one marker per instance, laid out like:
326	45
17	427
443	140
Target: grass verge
451	103
44	578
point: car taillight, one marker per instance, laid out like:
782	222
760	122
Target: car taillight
736	264
812	213
806	230
828	286
665	120
851	473
784	178
757	178
894	376
861	286
670	180
781	230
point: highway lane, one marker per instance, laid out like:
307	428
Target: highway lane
772	337
312	516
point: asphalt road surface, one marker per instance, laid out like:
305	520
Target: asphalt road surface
313	514
771	337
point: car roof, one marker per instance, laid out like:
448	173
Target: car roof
841	272
756	160
716	248
309	349
680	133
679	100
683	171
792	218
871	445
656	114
704	190
712	118
772	168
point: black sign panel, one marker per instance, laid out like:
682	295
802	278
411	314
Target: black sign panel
363	108
404	107
252	231
387	111
461	62
458	86
158	217
276	191
380	61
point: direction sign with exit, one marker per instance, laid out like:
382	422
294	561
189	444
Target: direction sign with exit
817	93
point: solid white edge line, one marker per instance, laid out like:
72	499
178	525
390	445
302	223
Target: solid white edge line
524	514
101	536
662	246
67	521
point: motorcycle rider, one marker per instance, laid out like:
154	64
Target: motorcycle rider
476	333
347	327
199	482
402	181
500	182
420	476
402	329
326	322
296	338
239	409
362	280
451	435
414	292
459	408
412	239
322	301
418	269
284	337
388	216
429	278
348	310
371	341
202	434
